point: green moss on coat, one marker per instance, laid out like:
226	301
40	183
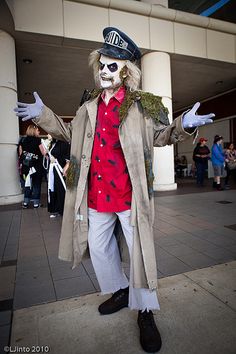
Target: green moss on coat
73	173
151	104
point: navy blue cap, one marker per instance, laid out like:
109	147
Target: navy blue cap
118	45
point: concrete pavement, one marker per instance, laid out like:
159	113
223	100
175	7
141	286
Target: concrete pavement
192	231
198	315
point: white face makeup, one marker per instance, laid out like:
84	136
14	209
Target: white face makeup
109	72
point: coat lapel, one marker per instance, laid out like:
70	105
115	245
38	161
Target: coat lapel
92	112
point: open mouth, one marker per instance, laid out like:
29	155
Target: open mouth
104	78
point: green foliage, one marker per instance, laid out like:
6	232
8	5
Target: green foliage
73	173
151	104
149	171
95	93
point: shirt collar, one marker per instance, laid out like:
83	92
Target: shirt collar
119	95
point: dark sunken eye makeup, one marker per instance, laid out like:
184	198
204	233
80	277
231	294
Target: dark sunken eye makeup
111	67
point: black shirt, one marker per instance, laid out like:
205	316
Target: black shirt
31	144
201	150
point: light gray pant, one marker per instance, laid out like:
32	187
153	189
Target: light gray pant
106	260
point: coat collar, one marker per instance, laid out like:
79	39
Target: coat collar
91	107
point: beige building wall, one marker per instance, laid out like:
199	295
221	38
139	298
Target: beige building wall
151	26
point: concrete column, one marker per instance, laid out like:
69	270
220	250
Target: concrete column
10	191
156	78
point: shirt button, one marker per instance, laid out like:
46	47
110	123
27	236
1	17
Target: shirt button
89	135
83	156
104	129
105	113
101	145
99	177
99	192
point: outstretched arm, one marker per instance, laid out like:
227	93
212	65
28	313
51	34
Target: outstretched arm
191	119
181	128
45	118
28	111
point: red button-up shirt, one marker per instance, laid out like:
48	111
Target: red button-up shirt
109	182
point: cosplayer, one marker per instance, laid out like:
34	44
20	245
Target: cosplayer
110	178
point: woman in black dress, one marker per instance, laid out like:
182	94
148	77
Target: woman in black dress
59	156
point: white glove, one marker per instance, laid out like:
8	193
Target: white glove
191	119
28	111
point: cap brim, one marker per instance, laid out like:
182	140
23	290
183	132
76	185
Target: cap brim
115	53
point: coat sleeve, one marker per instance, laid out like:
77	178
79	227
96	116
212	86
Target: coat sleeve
171	134
54	125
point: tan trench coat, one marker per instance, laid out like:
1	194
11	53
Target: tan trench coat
138	133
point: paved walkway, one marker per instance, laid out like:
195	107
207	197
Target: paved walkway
198	315
192	231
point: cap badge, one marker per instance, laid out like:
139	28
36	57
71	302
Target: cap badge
113	38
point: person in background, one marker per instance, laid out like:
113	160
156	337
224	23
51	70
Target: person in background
32	165
19	153
183	164
201	155
180	164
230	158
218	160
176	163
59	162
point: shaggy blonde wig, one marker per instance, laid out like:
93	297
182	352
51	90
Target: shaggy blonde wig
133	73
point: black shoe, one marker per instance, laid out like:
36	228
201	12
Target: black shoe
150	338
25	205
118	301
219	188
214	185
